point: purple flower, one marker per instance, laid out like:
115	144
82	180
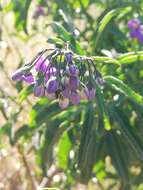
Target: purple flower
52	85
28	78
90	93
73	83
17	75
39	12
21	75
72	70
51	71
41	64
63	103
69	57
140	34
134	33
39	91
66	92
75	98
134	24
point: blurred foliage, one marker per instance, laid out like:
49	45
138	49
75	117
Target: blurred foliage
78	141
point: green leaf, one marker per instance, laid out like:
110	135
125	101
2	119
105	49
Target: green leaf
117	156
67	37
130	57
25	93
55	40
64	146
126	130
21	9
120	86
102	109
106	19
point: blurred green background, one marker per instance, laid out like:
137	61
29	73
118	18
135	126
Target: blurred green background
96	145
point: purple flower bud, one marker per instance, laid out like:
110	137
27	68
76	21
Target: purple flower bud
51	71
140	34
41	64
72	70
91	94
52	85
28	78
73	83
63	103
69	57
66	92
75	98
39	91
134	24
99	81
17	75
134	33
39	12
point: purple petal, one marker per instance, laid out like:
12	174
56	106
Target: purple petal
52	85
72	70
28	78
134	24
69	57
75	98
140	34
41	64
73	83
66	92
134	33
91	94
39	91
17	76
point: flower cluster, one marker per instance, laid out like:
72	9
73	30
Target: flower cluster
136	29
59	75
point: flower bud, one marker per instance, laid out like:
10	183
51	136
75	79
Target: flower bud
28	78
72	70
52	85
41	64
134	24
91	94
69	56
75	98
66	92
73	83
39	90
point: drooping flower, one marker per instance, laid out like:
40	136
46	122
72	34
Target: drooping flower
28	78
134	24
62	80
69	56
66	92
136	30
39	90
52	85
90	93
17	76
74	98
73	83
72	70
41	64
